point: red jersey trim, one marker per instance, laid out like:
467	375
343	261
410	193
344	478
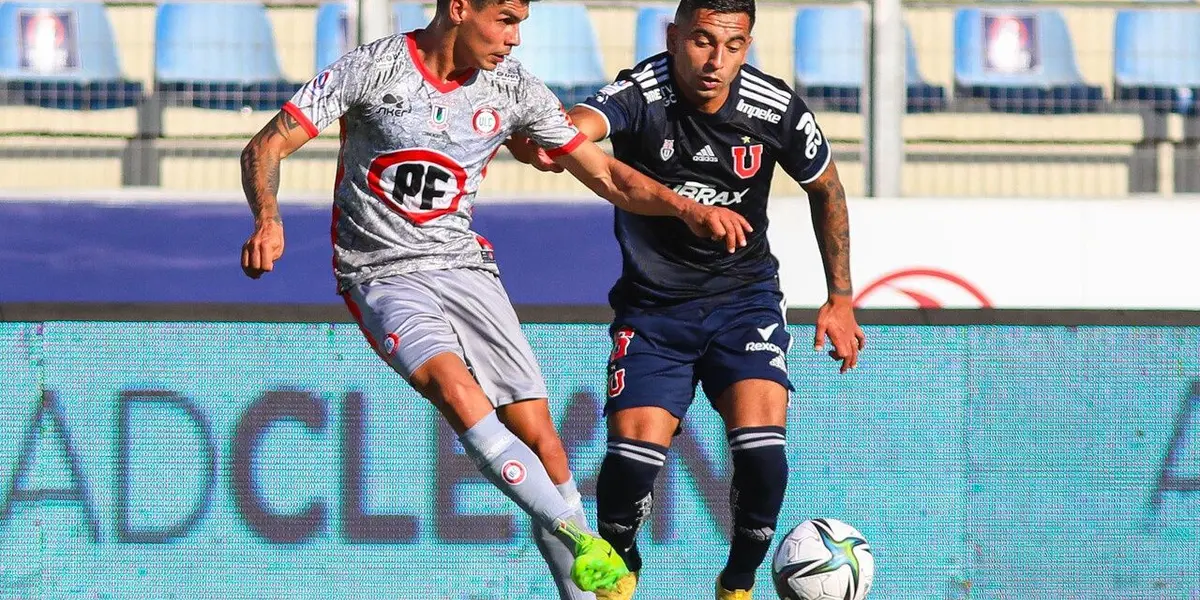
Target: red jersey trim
296	113
568	147
444	87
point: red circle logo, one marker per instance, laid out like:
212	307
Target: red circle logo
420	184
486	121
513	472
391	343
926	288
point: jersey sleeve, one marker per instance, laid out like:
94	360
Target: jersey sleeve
804	151
332	92
620	103
545	121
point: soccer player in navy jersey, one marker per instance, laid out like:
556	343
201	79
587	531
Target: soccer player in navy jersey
687	311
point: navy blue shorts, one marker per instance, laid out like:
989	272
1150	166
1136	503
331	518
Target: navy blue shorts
660	355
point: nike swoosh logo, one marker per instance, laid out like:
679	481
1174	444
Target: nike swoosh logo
766	332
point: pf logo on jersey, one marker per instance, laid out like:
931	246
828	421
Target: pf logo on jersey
747	160
418	183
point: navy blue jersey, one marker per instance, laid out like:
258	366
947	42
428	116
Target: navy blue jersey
724	159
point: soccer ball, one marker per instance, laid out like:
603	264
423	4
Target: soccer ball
823	559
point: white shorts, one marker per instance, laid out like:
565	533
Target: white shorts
411	318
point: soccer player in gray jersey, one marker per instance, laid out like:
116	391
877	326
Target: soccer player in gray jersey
421	115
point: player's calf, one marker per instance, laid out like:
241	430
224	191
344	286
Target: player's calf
625	493
756	496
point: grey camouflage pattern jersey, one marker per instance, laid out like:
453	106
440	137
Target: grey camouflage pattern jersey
414	151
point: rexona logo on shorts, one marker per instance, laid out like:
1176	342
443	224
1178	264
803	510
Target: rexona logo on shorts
763	347
707	194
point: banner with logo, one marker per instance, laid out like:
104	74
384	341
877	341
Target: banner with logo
251	461
952	252
1136	253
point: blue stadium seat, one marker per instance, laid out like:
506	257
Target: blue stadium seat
63	56
1032	69
407	16
218	55
830	57
333	35
1157	59
651	34
558	44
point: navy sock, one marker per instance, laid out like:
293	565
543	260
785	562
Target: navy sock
625	493
759	480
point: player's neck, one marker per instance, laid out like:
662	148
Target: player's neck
435	49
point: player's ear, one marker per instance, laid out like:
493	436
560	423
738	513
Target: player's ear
672	37
458	10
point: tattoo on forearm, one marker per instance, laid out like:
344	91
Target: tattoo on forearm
260	169
831	222
260	177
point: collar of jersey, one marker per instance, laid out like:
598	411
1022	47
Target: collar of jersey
444	87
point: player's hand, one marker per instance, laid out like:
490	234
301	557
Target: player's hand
264	247
717	223
524	150
836	320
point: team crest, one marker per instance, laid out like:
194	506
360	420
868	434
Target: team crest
668	149
486	121
439	117
513	472
747	160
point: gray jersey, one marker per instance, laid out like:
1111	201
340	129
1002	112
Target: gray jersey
414	151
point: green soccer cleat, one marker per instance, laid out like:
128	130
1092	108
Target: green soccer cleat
597	566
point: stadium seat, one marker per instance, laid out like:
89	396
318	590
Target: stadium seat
1024	63
218	55
651	34
407	16
830	59
63	56
1157	59
558	44
333	35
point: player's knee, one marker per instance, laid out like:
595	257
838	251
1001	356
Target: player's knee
455	394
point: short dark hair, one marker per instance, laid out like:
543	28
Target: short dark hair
687	7
444	5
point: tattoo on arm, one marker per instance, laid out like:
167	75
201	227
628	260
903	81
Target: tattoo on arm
284	124
260	167
831	223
